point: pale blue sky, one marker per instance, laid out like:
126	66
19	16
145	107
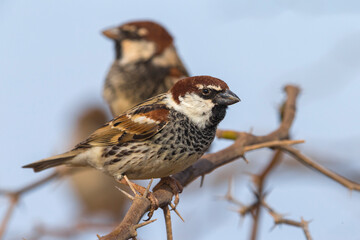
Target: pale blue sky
53	60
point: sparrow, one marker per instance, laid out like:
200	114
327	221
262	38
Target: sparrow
157	138
146	64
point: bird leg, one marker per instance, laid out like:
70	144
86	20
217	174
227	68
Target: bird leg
154	204
175	186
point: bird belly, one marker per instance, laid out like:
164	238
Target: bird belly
150	161
158	166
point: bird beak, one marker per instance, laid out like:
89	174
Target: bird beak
226	98
112	33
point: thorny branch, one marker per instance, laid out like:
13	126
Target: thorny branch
260	202
278	219
68	232
253	208
317	167
259	181
167	217
14	197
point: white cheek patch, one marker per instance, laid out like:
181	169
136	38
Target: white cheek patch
197	109
133	51
167	58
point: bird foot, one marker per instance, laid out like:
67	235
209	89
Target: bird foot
175	186
143	192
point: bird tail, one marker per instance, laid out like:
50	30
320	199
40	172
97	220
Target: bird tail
54	161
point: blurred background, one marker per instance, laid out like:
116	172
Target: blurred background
53	62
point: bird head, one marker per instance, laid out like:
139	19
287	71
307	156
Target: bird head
139	41
203	99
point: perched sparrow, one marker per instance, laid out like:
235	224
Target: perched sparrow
146	64
157	138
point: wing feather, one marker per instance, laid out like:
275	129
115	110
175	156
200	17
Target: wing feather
138	124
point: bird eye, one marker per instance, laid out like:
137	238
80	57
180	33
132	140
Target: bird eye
205	91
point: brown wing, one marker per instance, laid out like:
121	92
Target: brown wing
138	124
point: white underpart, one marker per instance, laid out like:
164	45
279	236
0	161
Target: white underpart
197	109
91	156
143	119
217	88
133	51
167	58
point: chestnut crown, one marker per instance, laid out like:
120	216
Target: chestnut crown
204	86
137	30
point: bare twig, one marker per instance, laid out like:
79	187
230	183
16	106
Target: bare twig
308	162
13	202
279	219
229	194
15	195
255	208
167	217
259	182
244	210
67	232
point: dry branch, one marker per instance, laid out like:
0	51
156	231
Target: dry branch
308	162
14	197
259	181
279	219
167	217
254	209
42	231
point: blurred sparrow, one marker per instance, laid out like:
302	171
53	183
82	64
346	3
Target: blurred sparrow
95	190
146	64
157	138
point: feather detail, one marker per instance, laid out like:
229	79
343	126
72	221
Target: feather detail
53	161
138	124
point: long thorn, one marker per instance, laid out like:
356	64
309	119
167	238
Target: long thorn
130	185
125	193
144	223
202	180
147	188
173	208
